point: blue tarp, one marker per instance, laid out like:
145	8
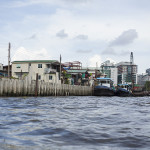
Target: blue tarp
103	78
1	74
66	68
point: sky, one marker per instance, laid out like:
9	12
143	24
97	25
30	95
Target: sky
89	31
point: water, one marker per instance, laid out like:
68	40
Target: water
74	123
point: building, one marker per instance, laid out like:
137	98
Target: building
1	66
106	68
110	71
114	75
127	72
75	65
142	78
48	70
148	71
4	70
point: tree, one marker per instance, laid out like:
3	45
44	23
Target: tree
147	86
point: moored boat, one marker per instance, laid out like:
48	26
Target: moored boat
123	90
104	87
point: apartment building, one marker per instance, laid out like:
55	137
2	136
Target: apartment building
48	70
127	72
109	69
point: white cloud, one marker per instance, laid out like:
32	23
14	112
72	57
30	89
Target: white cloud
109	51
82	37
127	37
62	34
23	54
95	61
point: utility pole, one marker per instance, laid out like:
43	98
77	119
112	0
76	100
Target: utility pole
9	46
60	69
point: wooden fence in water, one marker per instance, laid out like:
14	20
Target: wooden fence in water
15	87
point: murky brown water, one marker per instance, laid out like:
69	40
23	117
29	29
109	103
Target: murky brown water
71	123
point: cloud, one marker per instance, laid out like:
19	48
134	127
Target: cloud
127	37
109	51
82	37
47	2
76	1
62	34
95	61
23	54
84	51
112	51
34	36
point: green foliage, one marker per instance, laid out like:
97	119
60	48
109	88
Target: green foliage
66	77
147	86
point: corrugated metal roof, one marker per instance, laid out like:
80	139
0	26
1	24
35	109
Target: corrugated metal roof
35	61
76	71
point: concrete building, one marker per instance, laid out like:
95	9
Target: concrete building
114	75
148	71
127	72
48	70
110	71
142	78
106	68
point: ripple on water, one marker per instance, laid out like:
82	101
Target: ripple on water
75	123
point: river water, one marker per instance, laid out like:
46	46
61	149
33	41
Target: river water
75	123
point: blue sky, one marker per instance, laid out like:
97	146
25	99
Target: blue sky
89	31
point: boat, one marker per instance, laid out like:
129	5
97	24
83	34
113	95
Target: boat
104	87
123	90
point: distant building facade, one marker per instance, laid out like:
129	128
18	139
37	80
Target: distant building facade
142	78
114	75
127	72
110	71
148	71
48	70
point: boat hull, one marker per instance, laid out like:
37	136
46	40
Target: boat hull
123	93
103	91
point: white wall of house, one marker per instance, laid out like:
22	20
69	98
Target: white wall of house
114	75
31	69
1	66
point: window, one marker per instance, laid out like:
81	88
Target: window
39	65
18	66
39	77
50	77
29	64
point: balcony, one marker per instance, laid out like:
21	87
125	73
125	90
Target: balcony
49	70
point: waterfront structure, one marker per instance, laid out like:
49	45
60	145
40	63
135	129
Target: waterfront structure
48	70
127	73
